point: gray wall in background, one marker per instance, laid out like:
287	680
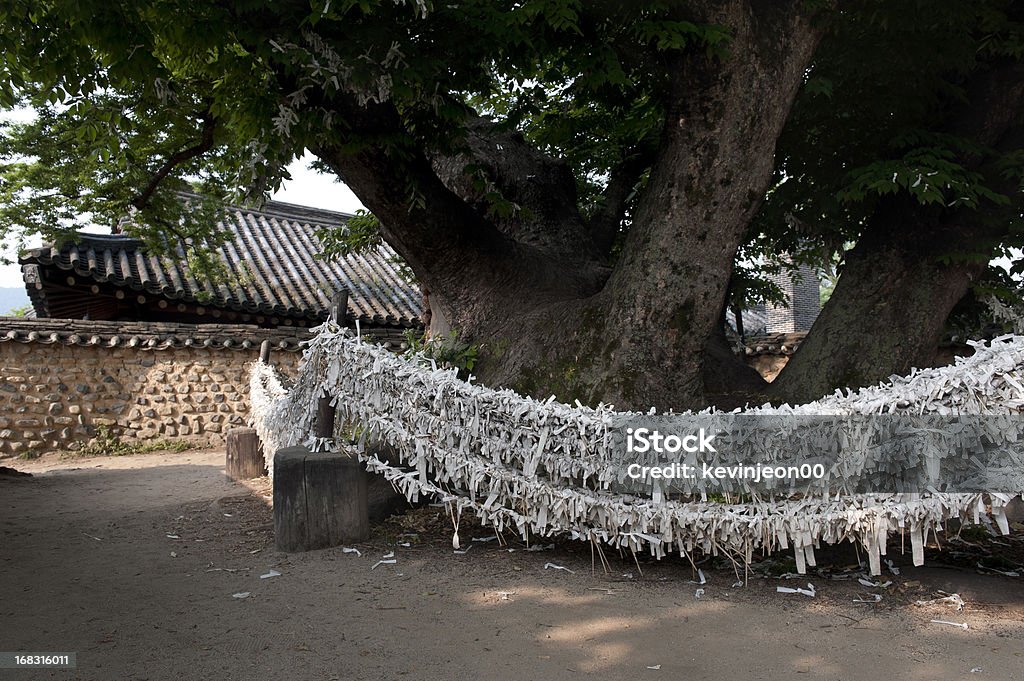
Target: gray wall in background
801	290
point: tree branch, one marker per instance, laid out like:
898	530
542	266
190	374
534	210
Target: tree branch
538	192
204	145
459	253
605	223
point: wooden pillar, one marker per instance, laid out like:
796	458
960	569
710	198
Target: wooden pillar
339	307
320	500
324	411
244	457
325	414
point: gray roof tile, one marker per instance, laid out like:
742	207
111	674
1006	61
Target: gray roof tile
272	255
148	335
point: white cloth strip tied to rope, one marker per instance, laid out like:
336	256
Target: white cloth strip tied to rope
542	467
550	441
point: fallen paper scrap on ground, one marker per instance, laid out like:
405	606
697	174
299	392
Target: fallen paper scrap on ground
809	591
962	625
92	537
951	599
388	559
240	594
654	667
504	595
875	598
545	547
174	554
870	584
272	573
345	549
698	593
482	539
558	567
892	568
700	577
173	536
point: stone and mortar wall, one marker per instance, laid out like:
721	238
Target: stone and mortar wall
56	397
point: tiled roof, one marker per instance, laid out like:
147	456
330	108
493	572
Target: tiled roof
147	335
774	344
272	257
754	320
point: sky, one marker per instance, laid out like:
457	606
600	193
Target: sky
306	188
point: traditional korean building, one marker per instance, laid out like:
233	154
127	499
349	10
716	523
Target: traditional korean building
134	344
274	276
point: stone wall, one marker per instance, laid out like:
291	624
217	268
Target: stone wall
60	388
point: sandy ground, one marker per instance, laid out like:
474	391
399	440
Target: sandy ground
132	563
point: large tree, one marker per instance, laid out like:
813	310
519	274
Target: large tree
582	187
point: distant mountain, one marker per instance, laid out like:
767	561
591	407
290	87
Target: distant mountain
11	298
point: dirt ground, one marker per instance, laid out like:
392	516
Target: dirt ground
134	563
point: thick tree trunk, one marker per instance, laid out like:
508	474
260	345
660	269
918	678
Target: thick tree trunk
535	292
643	340
888	310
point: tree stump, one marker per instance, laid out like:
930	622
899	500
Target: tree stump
319	500
244	458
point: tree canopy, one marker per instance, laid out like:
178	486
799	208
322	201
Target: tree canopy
581	187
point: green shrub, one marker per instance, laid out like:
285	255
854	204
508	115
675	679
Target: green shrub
446	351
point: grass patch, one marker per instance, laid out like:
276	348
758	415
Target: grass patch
107	443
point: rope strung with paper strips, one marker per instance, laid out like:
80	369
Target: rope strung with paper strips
543	468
